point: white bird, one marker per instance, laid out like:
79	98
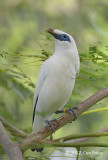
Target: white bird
56	79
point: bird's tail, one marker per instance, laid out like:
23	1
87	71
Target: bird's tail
38	124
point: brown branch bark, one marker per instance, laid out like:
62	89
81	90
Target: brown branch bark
45	132
13	150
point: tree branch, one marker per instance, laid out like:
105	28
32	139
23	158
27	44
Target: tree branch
66	118
13	150
13	130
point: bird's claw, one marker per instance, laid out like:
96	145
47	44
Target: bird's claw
72	110
50	123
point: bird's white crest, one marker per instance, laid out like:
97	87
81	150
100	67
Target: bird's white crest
56	78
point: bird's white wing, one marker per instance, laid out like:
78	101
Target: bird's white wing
40	81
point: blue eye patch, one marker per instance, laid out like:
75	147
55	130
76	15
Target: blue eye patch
62	37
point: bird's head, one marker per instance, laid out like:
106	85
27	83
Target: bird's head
62	39
65	44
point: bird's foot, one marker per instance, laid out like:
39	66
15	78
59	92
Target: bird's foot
71	110
50	123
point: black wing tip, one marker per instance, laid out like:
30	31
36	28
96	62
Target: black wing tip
37	149
34	110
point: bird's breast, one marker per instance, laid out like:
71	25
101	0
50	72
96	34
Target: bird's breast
61	79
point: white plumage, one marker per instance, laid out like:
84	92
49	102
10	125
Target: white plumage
56	79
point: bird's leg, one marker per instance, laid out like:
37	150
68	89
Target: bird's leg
60	111
49	122
68	111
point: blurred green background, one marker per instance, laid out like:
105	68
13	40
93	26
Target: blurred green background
24	45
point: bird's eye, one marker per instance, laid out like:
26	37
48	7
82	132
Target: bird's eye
64	36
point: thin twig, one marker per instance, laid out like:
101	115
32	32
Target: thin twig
56	144
83	135
87	138
78	151
13	130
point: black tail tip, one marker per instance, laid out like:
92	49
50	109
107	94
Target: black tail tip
33	149
37	149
